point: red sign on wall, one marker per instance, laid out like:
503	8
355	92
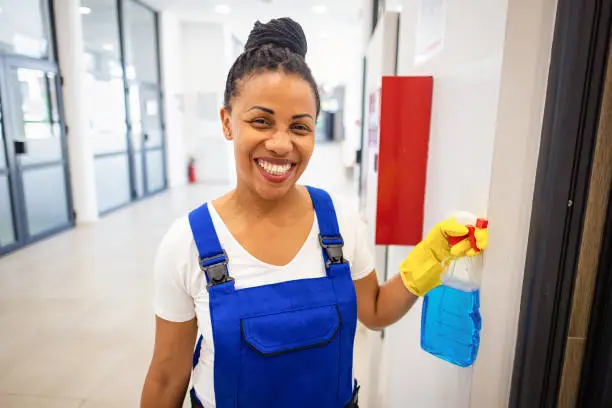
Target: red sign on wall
402	162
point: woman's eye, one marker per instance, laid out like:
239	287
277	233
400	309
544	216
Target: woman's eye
260	122
301	128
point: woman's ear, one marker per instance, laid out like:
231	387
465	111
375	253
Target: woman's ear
226	123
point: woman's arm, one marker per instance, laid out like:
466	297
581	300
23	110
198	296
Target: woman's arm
170	370
379	306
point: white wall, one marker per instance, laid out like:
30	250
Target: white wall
204	66
466	70
489	85
176	156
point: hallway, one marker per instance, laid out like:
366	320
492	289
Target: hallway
76	310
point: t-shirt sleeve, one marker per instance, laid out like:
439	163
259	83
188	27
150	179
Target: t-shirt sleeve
362	262
354	229
172	298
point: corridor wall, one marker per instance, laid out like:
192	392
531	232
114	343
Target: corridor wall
489	60
205	61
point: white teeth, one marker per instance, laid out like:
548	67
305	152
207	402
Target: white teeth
274	169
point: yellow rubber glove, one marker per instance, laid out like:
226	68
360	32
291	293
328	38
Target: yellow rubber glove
422	268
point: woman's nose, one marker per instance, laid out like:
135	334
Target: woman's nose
279	143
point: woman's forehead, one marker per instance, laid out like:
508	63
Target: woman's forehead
278	89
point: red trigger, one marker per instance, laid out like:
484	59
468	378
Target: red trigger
480	223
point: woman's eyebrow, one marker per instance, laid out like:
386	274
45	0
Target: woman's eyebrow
271	112
267	110
302	115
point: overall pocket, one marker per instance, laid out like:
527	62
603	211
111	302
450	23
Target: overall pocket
291	359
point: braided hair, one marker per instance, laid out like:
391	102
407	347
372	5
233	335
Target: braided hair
274	46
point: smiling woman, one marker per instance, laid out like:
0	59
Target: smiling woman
272	125
273	275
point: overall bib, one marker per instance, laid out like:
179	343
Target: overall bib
285	345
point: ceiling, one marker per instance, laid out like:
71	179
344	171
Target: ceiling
333	37
339	9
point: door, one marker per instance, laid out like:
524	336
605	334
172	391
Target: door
33	169
8	233
152	139
144	95
147	140
566	220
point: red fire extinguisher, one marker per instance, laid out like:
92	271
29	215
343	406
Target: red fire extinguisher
191	171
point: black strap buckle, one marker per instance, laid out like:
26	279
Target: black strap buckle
333	249
354	402
217	272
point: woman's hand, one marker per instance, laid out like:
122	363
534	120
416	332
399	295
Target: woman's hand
379	306
170	370
422	268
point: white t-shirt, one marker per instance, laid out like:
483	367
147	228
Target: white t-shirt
180	285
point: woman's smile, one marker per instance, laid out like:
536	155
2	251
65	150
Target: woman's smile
275	170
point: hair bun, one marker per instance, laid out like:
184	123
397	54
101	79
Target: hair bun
279	32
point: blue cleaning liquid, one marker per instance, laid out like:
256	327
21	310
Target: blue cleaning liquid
450	325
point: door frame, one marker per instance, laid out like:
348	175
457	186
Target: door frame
16	189
573	103
596	381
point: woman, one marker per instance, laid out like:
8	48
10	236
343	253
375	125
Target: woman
274	275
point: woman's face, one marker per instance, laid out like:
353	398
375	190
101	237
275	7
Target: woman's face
272	124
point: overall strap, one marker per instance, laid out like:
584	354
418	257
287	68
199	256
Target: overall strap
212	258
329	236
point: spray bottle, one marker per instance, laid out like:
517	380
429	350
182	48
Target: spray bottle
450	319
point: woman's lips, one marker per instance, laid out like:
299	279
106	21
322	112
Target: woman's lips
275	170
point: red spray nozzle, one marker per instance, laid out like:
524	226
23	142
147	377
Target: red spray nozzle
481	223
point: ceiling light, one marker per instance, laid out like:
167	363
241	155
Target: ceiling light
0	9
85	10
398	8
323	34
319	9
222	9
108	47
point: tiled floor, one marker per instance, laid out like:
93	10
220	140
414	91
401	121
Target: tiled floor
75	310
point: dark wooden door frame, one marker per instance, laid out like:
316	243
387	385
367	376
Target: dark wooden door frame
573	101
596	382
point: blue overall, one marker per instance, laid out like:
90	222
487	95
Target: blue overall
285	345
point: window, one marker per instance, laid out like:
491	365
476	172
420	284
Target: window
23	28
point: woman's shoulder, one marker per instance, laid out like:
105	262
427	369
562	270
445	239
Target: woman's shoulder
179	231
347	212
177	256
177	243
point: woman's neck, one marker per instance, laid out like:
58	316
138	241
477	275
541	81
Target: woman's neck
250	205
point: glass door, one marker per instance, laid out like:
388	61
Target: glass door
147	140
8	233
36	153
144	95
153	141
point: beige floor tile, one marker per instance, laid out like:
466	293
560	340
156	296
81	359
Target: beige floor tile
71	364
20	401
123	390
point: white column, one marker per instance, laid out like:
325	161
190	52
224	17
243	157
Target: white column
72	68
176	157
